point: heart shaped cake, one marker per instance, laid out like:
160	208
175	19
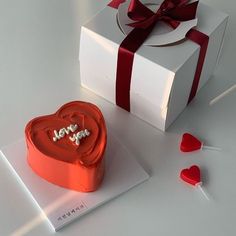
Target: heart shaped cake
67	148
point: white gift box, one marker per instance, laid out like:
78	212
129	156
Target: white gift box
162	76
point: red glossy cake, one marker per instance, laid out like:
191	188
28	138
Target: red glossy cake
67	148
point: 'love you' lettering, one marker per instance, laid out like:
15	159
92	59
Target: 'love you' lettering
72	128
62	132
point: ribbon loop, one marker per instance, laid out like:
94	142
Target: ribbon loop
173	10
138	12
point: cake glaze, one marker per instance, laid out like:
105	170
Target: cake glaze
56	155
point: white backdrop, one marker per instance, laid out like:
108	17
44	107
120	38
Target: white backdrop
39	71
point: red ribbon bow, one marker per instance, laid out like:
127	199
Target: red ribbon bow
170	11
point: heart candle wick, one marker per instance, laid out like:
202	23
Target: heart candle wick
199	186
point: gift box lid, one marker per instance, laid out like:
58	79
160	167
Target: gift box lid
105	24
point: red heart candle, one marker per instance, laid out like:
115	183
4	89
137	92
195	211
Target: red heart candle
191	175
67	148
190	143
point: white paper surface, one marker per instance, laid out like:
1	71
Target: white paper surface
60	205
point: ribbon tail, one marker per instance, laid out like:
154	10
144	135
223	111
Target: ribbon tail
184	13
172	23
138	11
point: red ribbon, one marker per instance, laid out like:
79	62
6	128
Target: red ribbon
115	3
202	40
171	12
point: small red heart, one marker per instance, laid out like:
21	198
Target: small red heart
62	160
191	175
190	143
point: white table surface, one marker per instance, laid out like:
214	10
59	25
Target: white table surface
39	71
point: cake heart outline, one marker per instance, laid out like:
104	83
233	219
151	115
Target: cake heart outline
77	167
